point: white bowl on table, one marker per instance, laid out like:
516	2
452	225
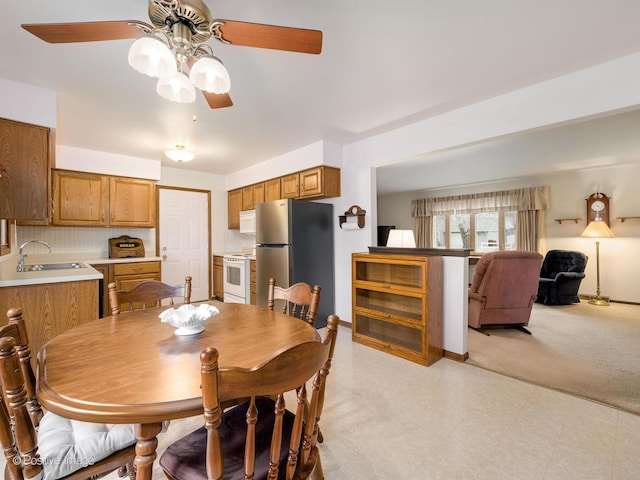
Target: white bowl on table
188	319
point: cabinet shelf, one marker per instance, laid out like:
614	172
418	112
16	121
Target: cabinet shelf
560	220
397	305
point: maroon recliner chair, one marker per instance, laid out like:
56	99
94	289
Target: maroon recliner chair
503	290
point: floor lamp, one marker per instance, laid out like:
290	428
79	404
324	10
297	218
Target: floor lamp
598	229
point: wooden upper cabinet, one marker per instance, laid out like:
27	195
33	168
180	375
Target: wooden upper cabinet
272	190
80	199
234	205
258	194
132	202
289	186
247	198
24	171
94	200
320	182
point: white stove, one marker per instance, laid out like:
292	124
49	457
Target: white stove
237	273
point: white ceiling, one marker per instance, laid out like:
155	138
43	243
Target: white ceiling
383	65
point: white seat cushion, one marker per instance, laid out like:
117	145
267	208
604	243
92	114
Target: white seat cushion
67	445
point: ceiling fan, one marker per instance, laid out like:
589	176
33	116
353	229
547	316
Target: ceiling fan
182	27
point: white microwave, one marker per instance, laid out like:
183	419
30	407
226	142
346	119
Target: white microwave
248	222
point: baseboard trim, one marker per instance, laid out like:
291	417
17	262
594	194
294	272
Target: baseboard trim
458	357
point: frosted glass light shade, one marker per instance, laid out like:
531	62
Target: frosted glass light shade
401	238
179	154
150	56
176	87
209	74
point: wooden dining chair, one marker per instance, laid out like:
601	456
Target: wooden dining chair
38	445
149	293
299	300
258	439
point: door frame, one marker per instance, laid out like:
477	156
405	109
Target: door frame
209	253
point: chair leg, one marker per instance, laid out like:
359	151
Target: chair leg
523	329
484	332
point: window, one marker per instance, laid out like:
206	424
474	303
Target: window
480	232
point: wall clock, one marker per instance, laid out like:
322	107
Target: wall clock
598	207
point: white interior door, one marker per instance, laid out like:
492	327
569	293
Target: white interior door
183	233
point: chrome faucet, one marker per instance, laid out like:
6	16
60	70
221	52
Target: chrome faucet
20	267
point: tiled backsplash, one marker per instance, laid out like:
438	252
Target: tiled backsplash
83	239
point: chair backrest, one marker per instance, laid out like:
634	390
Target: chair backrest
17	330
298	300
147	294
556	261
507	279
22	422
261	438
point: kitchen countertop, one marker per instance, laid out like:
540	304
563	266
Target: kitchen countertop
9	277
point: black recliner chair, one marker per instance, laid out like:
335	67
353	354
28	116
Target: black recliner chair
560	277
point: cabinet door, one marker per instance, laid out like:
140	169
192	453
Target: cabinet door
289	186
24	171
80	199
218	277
258	194
132	202
252	284
272	190
247	198
311	182
234	205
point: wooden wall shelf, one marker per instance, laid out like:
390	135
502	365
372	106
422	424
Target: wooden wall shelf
622	219
560	220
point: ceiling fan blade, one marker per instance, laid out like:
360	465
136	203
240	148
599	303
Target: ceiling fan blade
218	100
84	31
271	36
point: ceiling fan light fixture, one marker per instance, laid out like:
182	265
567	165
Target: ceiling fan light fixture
209	74
176	87
151	56
180	155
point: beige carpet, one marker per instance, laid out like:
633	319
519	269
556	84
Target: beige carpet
581	349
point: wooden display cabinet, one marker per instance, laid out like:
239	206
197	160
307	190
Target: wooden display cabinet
397	305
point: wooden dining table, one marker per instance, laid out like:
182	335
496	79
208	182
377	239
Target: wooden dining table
132	368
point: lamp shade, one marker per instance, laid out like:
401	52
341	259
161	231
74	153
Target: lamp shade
401	238
597	229
176	87
210	75
149	55
179	154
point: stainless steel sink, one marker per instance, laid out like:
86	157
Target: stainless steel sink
52	266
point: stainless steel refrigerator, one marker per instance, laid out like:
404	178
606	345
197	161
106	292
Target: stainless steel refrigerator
295	244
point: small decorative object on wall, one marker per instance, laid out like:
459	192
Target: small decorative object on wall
354	211
598	207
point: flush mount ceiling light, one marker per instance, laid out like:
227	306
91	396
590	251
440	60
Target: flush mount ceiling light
180	155
174	43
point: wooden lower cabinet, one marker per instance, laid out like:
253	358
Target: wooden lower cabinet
398	305
51	308
218	277
126	276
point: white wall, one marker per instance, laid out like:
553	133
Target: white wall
26	103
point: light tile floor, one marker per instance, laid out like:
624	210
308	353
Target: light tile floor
390	419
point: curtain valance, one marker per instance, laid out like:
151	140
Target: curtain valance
521	199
